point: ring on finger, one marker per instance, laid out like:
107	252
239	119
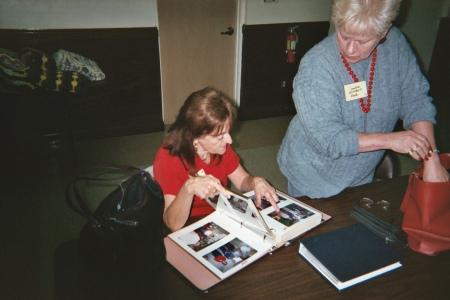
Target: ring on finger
411	152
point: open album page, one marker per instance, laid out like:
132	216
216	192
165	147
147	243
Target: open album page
293	219
221	244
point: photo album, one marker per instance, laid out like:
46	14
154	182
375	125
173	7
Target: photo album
237	234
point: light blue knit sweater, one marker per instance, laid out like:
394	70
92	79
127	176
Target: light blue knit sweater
319	154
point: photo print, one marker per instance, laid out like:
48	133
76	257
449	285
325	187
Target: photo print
264	203
291	214
238	204
229	255
203	236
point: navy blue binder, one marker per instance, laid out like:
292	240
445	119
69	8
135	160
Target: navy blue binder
349	255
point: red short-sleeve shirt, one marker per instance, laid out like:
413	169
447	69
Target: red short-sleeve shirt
171	174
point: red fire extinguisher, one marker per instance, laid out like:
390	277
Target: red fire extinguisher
292	39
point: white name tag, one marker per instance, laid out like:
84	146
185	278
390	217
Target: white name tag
355	90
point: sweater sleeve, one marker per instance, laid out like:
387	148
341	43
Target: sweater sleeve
416	105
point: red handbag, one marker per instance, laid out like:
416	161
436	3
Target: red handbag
426	208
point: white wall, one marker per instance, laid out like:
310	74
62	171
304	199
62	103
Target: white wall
52	14
420	24
286	11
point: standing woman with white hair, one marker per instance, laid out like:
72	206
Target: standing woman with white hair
349	92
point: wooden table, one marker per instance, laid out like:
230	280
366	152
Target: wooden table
285	275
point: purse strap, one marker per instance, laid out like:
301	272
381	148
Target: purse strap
82	208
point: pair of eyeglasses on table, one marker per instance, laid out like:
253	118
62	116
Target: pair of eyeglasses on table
368	203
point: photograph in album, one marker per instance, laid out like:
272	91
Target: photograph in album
229	255
203	236
291	214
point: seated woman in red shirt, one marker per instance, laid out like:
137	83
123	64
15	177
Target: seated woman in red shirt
199	139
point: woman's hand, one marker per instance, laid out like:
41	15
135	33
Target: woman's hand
434	171
410	142
245	183
177	208
419	149
417	142
205	186
263	190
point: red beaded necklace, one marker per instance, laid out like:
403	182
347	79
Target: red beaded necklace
365	108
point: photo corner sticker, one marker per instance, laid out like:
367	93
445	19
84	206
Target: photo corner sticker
355	90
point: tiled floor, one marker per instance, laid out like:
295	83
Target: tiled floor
36	219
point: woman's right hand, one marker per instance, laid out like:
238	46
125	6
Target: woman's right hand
410	142
433	169
177	208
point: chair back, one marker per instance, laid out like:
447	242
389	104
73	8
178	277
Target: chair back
388	167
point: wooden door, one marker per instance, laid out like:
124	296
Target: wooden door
194	53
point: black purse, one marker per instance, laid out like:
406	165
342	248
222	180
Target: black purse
123	235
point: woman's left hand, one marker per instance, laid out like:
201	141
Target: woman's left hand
434	171
263	190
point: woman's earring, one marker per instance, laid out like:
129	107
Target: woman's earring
382	40
195	146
